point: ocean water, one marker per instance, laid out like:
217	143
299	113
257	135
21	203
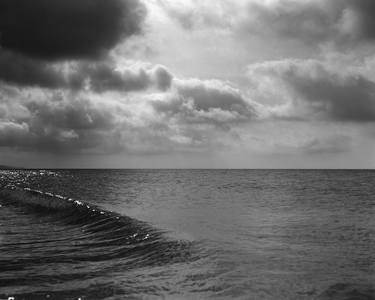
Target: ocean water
187	234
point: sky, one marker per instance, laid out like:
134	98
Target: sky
187	83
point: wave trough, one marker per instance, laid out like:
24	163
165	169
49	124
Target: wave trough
86	234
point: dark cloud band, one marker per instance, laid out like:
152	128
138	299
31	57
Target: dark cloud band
67	29
99	77
317	90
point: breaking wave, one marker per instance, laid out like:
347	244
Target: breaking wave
96	234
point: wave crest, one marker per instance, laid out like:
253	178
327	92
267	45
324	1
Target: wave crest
97	234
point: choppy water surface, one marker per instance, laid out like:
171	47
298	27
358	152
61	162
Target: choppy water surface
187	234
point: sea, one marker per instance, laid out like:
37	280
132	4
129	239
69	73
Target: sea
187	234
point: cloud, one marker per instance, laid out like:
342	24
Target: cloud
67	29
46	44
207	102
191	115
162	77
188	115
86	107
57	123
358	17
309	21
23	71
315	89
100	76
340	22
194	14
77	114
331	144
106	77
12	133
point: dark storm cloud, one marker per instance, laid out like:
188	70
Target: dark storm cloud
318	90
67	29
105	77
101	77
365	21
206	102
37	37
23	71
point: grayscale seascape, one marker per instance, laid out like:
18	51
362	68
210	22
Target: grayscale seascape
187	234
187	149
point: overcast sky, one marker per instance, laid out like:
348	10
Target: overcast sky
187	83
